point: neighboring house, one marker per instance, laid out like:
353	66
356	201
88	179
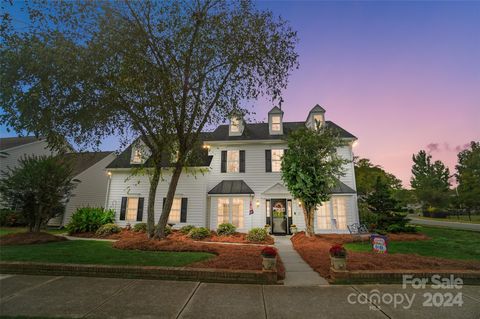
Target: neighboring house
89	169
14	148
238	171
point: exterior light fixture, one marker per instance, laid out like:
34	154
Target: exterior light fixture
109	173
258	203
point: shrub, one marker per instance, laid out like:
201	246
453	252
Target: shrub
140	227
199	233
186	229
269	252
89	219
226	229
338	251
401	229
11	218
257	235
168	230
108	229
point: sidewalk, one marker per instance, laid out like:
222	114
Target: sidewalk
297	272
68	297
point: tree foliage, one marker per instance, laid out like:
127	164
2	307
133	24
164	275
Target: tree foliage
38	188
430	181
157	70
311	167
468	176
366	175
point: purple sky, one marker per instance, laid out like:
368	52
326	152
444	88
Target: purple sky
401	76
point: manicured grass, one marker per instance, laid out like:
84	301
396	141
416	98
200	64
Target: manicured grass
453	218
444	243
11	230
97	252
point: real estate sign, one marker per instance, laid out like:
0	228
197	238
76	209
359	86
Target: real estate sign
379	243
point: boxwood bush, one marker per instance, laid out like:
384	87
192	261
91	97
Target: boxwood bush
257	234
186	229
89	219
226	229
199	233
140	227
108	229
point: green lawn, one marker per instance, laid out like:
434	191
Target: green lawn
10	230
97	252
444	243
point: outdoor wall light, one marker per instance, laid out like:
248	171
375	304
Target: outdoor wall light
109	173
258	203
206	146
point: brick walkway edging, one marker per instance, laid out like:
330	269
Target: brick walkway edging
469	277
142	272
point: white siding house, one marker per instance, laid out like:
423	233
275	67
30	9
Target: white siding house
238	181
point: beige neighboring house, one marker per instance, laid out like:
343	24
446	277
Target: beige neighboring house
89	169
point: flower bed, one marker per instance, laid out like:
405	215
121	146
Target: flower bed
315	251
29	238
243	257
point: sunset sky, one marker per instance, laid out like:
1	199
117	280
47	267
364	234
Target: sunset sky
401	76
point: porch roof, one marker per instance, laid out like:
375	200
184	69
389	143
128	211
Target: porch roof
231	187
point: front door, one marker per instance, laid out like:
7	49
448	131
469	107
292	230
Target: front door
279	216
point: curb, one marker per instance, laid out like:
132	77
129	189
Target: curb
142	272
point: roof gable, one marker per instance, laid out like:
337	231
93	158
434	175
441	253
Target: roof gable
83	161
11	142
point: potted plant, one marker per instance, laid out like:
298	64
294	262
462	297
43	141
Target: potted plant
269	255
268	228
293	229
338	257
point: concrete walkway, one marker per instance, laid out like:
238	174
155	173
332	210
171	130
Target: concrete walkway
297	272
86	297
440	223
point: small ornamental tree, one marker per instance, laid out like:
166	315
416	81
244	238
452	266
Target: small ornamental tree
468	177
38	188
311	167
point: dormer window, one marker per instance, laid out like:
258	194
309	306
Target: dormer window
276	122
235	125
137	157
316	117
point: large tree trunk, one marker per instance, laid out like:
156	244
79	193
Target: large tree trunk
36	226
162	223
308	215
151	201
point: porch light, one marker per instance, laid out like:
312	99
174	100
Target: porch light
206	146
258	203
109	173
355	143
299	203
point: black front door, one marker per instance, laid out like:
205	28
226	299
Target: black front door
279	216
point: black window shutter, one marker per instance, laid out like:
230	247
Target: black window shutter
123	208
242	161
163	205
224	162
183	212
140	209
268	161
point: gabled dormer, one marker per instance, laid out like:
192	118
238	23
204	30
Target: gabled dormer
275	121
237	124
316	116
140	153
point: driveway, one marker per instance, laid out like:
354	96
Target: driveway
84	297
440	223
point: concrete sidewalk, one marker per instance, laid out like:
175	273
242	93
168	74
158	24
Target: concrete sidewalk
84	297
297	272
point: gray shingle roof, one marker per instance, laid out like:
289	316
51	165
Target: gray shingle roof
275	110
341	188
10	142
82	161
317	108
231	187
259	131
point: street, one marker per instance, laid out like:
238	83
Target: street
78	297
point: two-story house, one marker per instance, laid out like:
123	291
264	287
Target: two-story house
237	180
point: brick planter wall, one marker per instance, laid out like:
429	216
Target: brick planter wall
469	277
142	272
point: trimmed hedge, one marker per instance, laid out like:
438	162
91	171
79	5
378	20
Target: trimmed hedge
226	229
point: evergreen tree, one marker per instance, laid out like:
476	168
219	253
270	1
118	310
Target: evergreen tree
468	177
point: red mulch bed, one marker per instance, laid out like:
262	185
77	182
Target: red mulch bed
29	238
239	238
240	257
314	251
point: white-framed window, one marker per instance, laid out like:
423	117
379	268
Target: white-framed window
324	217
132	208
174	217
339	212
276	120
235	125
267	207
230	210
137	156
277	160
233	161
317	119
